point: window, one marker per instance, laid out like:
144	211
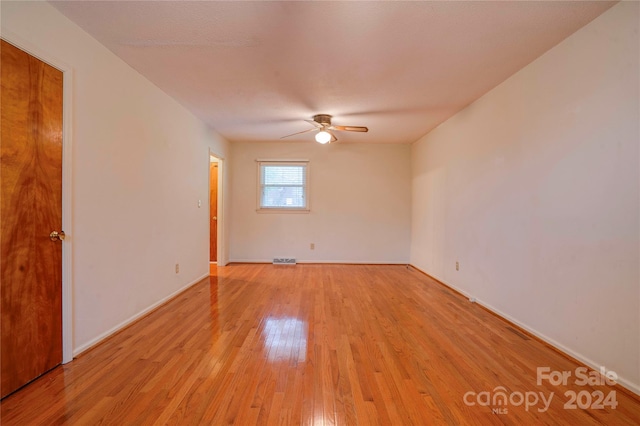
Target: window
283	186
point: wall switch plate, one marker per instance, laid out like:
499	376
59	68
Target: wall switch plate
457	266
199	203
312	246
177	268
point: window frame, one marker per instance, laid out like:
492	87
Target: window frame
261	209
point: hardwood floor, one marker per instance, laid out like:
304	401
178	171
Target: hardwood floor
313	344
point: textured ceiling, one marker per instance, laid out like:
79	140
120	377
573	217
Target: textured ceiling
256	70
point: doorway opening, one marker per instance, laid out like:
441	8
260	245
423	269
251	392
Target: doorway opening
215	212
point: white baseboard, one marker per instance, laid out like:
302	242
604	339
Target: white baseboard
82	348
585	360
338	262
633	387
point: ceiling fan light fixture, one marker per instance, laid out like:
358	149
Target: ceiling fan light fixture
323	137
322	125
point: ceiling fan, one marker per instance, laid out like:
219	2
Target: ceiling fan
322	124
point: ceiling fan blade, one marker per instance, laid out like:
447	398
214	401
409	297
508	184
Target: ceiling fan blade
315	123
351	128
297	133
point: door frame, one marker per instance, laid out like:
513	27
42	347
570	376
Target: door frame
221	260
67	222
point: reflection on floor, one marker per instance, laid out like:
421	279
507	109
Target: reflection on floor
285	339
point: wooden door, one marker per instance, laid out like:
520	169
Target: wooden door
31	208
213	210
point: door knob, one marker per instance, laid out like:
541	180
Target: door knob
57	236
215	218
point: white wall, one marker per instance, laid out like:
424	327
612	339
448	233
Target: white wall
360	204
534	189
140	164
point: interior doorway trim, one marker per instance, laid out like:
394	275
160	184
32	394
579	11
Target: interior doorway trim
220	259
67	220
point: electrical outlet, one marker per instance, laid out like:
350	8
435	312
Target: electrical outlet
199	203
457	266
177	268
312	246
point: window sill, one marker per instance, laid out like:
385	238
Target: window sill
287	211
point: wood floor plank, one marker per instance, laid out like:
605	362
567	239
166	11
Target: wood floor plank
311	344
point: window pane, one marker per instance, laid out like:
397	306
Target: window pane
283	175
279	196
283	186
